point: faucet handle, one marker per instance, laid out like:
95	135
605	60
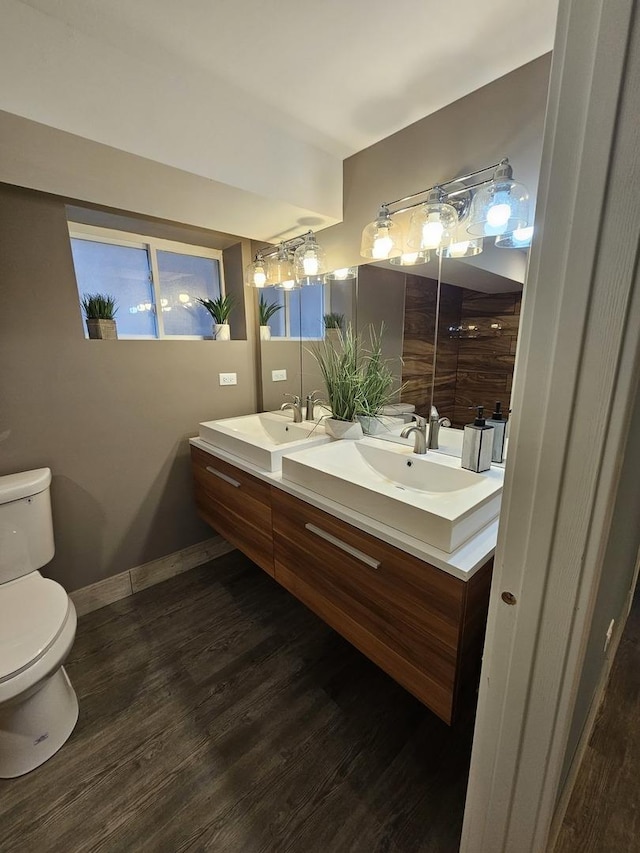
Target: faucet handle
311	397
421	422
295	399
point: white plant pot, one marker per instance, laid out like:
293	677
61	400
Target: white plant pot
372	425
265	333
343	429
221	332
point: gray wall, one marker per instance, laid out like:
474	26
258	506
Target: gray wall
110	418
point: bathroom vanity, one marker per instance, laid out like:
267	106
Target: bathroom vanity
416	611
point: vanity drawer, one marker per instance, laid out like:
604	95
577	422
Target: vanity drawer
236	504
404	614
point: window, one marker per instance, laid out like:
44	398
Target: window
302	314
154	282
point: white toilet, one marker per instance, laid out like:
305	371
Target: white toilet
38	706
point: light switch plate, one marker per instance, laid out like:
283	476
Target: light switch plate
228	378
278	375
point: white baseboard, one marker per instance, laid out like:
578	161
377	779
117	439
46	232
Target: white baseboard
133	580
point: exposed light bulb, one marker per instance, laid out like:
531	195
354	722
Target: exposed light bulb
382	245
342	274
288	285
259	277
498	215
409	258
310	263
432	232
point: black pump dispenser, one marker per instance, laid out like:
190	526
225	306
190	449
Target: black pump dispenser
497	413
480	419
477	443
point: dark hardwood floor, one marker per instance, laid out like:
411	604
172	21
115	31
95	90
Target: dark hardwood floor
217	713
603	815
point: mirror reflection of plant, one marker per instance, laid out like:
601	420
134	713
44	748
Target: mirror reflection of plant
99	306
219	308
266	310
358	378
334	321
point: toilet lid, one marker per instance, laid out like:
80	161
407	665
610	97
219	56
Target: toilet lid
33	611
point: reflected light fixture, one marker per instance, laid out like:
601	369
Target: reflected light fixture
343	274
411	259
451	218
518	239
382	238
280	270
499	207
433	223
309	262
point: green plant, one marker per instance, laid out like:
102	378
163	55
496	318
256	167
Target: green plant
266	310
99	306
358	378
334	321
219	308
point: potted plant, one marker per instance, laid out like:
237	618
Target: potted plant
377	385
220	309
340	369
266	311
99	311
333	327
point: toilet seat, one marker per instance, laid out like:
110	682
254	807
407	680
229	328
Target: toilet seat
33	614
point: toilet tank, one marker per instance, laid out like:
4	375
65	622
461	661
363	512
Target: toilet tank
26	525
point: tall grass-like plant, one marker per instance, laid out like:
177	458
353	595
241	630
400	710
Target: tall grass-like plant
219	308
266	310
358	378
99	306
334	321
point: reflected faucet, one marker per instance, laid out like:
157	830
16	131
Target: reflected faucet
312	402
295	406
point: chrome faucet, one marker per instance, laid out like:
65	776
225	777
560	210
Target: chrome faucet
295	406
312	402
434	429
419	432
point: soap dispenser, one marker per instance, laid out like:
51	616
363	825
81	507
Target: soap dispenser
499	424
477	444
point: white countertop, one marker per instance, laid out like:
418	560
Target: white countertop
462	563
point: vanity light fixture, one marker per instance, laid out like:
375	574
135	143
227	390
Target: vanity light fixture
453	217
518	239
432	224
309	262
382	238
282	266
499	207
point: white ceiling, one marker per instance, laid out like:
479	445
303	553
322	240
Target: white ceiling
344	73
249	106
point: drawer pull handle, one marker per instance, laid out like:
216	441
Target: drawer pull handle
224	477
359	555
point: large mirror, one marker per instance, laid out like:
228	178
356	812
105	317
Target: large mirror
477	328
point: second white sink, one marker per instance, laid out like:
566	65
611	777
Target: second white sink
262	439
426	496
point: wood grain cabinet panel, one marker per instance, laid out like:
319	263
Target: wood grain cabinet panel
405	615
236	504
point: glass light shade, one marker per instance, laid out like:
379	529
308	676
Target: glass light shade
500	207
411	259
256	274
309	262
432	225
381	239
518	239
342	274
463	246
280	271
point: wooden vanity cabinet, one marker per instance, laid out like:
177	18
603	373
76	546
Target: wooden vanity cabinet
236	504
421	625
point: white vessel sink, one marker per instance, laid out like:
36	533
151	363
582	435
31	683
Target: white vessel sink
427	496
262	439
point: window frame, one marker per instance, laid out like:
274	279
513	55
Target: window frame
99	234
326	304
